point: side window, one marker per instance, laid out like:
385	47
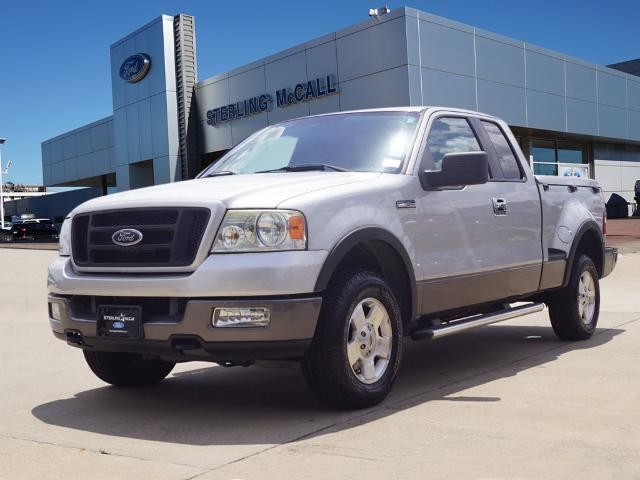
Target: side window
507	159
451	135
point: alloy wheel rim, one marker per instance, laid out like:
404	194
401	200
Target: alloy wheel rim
369	340
586	297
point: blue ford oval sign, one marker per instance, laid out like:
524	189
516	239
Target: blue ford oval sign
127	237
118	324
134	68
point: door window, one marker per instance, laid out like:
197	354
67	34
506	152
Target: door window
508	162
450	135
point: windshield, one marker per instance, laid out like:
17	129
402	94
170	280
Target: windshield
363	142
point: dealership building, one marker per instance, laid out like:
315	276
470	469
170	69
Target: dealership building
571	117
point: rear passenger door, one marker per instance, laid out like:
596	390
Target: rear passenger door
473	249
521	220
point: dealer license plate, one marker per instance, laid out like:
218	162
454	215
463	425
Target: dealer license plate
119	321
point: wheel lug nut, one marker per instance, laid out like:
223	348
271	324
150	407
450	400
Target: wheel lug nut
362	347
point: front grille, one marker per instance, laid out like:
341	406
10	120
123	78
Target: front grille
170	237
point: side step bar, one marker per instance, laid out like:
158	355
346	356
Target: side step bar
458	326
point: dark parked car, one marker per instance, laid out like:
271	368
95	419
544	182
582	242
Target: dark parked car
30	231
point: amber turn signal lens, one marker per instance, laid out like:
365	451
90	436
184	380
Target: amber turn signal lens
296	227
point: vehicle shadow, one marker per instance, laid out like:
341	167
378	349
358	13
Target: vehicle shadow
233	406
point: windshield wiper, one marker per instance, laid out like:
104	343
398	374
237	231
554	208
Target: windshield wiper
306	167
220	173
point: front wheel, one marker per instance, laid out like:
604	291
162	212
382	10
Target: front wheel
127	369
355	354
574	310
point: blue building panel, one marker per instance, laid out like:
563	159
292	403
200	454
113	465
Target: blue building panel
612	121
581	82
372	50
500	62
374	90
612	89
446	49
442	88
546	111
545	73
633	95
582	117
505	101
634	126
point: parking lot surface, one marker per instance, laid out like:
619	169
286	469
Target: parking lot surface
505	401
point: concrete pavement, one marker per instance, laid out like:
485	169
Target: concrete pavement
506	401
624	233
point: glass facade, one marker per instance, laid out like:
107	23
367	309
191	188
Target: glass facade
558	157
544	157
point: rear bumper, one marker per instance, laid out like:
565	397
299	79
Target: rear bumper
610	260
190	334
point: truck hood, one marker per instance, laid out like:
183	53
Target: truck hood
260	190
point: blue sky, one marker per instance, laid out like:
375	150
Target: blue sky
54	70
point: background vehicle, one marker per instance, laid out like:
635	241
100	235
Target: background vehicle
330	240
30	231
46	221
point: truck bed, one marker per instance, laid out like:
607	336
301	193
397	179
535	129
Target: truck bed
562	216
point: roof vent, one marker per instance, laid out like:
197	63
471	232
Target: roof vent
378	12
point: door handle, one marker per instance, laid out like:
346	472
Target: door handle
499	206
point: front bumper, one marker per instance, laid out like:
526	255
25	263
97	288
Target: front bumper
189	334
610	260
221	275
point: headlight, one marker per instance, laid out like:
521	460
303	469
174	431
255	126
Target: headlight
261	230
64	238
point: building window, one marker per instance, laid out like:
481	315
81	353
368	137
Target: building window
557	157
572	152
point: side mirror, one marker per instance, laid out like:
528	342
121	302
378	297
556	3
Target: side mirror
459	169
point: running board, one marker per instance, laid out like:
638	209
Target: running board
458	326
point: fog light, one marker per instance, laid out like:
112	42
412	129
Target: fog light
54	311
241	317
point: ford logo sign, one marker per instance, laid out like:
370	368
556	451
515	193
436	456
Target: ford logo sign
134	68
118	324
127	237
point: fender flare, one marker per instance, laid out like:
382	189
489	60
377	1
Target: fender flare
363	235
588	226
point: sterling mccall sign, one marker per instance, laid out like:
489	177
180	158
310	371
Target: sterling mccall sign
302	92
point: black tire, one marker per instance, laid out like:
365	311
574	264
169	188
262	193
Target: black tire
564	310
127	369
326	365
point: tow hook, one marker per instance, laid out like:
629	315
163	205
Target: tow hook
74	338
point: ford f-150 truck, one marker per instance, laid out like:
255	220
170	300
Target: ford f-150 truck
330	240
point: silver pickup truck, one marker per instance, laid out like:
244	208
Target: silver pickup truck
330	240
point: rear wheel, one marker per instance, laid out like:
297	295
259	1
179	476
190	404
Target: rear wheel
355	354
127	369
574	310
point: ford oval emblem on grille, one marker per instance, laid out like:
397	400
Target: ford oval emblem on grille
127	237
